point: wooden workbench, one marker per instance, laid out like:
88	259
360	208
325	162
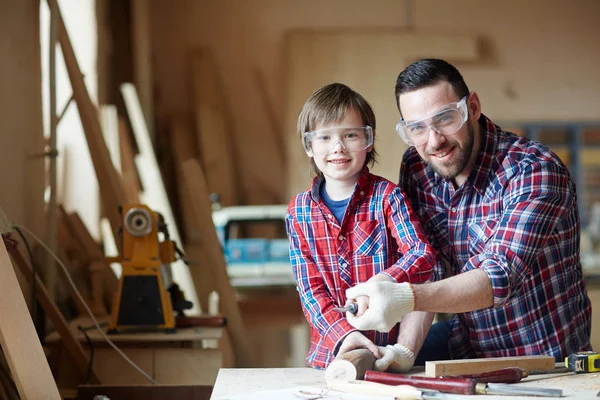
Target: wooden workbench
232	384
177	358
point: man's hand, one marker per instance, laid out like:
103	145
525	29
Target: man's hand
389	302
356	340
396	358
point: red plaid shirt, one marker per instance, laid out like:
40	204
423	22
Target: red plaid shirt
516	219
379	234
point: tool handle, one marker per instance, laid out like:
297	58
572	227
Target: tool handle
446	385
504	375
372	388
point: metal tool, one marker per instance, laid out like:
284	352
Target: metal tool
582	362
459	385
352	307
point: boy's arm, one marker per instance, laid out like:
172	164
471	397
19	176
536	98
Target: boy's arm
317	303
418	257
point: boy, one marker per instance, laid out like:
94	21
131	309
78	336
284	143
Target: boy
349	227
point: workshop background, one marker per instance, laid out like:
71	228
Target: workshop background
222	82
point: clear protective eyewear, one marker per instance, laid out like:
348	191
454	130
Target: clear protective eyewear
446	121
324	141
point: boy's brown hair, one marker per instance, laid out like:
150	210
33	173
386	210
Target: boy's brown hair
332	103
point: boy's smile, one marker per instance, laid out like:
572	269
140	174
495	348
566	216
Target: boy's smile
341	167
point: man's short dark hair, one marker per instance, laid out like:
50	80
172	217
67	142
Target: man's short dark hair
428	72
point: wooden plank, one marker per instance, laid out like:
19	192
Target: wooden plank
129	173
477	365
368	61
72	345
109	182
183	147
155	194
198	193
22	348
141	43
214	131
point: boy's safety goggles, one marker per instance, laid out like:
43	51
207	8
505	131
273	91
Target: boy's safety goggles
446	121
324	141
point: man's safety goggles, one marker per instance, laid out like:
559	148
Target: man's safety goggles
446	121
324	141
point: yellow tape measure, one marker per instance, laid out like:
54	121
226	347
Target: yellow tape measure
582	362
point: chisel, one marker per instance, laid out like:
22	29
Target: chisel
352	308
459	385
506	375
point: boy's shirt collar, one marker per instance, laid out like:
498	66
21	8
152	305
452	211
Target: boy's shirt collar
361	186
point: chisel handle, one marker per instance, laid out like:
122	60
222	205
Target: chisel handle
504	375
446	385
372	388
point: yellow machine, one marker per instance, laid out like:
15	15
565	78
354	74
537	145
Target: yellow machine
141	300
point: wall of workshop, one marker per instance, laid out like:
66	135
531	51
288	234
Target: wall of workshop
540	59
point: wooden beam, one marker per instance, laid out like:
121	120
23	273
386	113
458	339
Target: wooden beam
141	43
24	354
477	365
213	128
129	173
198	194
109	182
183	147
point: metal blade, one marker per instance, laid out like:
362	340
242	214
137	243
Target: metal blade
503	388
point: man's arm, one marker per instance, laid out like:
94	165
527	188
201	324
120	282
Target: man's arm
389	302
461	293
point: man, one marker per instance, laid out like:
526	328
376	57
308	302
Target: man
501	211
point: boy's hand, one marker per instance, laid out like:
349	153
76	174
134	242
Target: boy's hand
356	340
389	302
396	358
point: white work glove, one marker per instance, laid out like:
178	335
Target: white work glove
389	302
396	358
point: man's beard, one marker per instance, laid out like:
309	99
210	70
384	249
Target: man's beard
451	171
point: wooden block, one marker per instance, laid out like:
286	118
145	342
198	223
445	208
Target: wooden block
350	366
478	365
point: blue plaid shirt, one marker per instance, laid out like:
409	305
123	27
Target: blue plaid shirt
515	218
